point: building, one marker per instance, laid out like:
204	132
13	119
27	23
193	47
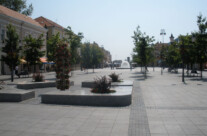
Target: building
117	63
107	57
52	27
24	26
157	50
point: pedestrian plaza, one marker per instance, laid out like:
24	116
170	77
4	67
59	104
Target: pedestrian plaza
161	106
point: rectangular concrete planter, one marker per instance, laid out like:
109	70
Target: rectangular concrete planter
33	85
16	96
86	98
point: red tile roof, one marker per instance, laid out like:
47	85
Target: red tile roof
14	14
46	22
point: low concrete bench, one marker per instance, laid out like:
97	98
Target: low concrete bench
194	72
24	73
15	95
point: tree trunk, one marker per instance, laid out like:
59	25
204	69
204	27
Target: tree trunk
201	68
145	72
12	74
34	68
183	80
188	67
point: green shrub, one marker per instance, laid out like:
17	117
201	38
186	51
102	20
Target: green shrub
114	77
102	85
38	77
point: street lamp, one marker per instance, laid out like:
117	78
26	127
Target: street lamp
162	33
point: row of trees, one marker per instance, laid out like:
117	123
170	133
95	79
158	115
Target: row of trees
74	40
186	51
91	55
189	49
31	51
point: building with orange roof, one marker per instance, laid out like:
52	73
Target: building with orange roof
24	26
52	27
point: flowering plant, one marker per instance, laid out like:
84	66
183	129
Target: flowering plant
62	67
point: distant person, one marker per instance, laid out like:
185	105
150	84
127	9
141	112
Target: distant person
16	71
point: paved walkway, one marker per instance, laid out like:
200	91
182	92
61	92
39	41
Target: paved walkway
162	106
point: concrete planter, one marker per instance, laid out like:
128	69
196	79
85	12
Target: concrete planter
15	95
32	85
122	97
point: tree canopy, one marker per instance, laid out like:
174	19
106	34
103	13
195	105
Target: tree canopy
142	50
91	55
11	49
33	50
51	46
18	5
74	41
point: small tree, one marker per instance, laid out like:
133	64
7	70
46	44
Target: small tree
51	46
11	49
86	55
96	55
172	55
142	50
201	41
62	66
74	41
33	50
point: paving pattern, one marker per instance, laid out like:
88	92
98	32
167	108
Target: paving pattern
138	125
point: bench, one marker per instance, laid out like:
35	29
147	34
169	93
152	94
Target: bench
24	73
194	72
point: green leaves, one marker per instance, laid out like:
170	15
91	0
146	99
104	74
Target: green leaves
142	51
11	49
33	49
91	55
52	45
74	41
18	5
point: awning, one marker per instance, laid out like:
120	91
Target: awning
22	61
43	60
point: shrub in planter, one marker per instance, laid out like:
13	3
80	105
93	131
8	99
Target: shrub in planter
1	84
62	66
102	85
38	77
114	77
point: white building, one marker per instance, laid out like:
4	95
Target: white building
24	26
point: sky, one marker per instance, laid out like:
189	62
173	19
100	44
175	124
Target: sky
111	23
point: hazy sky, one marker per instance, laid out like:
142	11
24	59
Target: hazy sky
111	22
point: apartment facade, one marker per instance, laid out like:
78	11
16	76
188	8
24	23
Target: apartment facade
52	27
24	26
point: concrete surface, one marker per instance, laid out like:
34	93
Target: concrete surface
161	106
